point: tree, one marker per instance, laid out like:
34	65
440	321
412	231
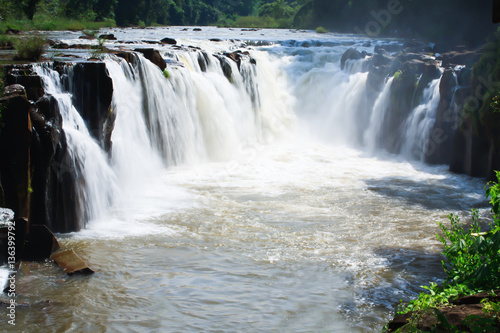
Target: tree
278	10
29	7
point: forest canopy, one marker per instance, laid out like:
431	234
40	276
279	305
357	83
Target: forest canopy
454	19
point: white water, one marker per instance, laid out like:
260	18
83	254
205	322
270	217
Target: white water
235	214
96	180
373	134
419	124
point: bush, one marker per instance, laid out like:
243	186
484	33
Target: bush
472	258
30	49
321	30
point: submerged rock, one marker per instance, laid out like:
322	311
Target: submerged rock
71	263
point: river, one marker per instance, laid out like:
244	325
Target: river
256	204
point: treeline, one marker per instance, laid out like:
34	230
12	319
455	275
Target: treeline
457	21
151	12
452	20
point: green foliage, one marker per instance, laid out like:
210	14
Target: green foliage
30	49
277	10
472	261
258	22
321	30
397	75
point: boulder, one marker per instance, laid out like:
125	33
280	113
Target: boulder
168	41
154	56
87	37
382	58
128	56
107	37
350	54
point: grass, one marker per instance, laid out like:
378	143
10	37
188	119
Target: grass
256	22
30	49
54	23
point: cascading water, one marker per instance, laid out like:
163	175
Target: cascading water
95	179
372	136
419	124
227	213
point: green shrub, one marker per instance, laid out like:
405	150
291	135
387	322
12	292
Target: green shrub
30	49
6	41
472	258
321	30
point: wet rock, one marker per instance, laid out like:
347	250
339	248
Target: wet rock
63	46
454	58
107	37
15	145
445	124
197	29
92	90
40	243
14	90
390	48
25	76
382	58
87	37
54	201
154	56
128	56
168	41
71	263
350	54
203	61
216	40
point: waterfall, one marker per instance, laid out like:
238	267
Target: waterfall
419	124
373	134
95	180
207	107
